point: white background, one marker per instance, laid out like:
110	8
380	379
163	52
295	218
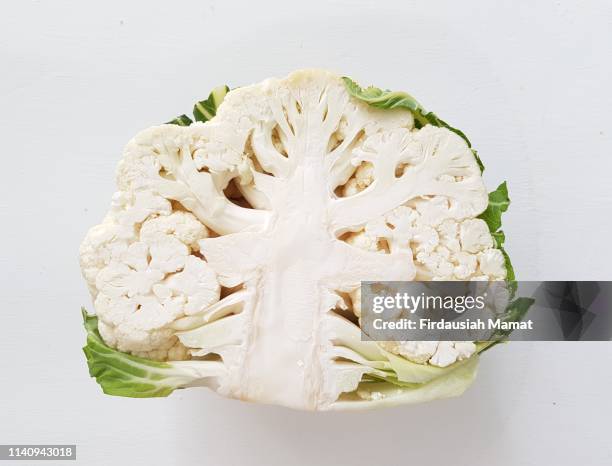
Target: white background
529	82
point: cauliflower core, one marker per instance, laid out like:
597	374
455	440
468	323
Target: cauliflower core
239	239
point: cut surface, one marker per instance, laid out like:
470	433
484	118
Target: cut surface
288	198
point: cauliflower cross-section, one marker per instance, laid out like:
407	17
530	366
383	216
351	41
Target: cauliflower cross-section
243	240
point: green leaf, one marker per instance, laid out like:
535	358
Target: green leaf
499	238
478	161
499	201
122	374
203	110
181	120
381	98
510	276
498	204
206	109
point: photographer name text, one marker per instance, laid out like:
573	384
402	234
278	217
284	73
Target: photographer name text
468	324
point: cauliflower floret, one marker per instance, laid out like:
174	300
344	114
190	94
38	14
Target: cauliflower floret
465	349
415	351
143	280
437	263
465	265
363	240
197	283
475	236
102	244
449	236
426	239
492	263
111	239
131	208
183	225
432	211
436	353
449	352
361	179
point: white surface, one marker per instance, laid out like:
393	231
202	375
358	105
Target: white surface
527	81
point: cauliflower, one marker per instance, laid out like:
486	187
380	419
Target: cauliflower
234	249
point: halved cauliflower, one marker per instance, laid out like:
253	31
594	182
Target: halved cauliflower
235	247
